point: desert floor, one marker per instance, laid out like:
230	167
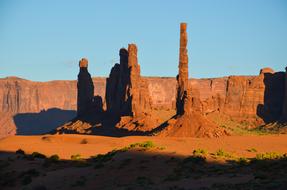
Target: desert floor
138	162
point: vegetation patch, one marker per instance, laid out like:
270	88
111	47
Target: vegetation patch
222	153
270	156
76	157
38	155
20	151
252	150
104	157
199	152
54	158
242	161
146	145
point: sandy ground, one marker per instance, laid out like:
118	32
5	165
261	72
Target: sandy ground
168	165
67	145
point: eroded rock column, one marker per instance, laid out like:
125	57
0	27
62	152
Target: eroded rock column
85	88
284	109
182	78
135	80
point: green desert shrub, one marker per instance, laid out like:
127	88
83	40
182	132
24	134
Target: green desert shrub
146	144
199	152
20	151
269	156
252	150
38	155
242	161
222	153
54	158
76	157
101	158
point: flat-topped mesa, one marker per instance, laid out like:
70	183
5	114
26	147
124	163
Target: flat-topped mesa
85	87
182	78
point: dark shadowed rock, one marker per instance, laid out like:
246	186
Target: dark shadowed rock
127	96
117	100
284	109
85	89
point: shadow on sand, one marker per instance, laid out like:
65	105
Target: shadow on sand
139	168
42	122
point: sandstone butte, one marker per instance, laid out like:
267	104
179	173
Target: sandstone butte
132	99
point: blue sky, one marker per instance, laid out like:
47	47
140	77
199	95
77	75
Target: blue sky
43	40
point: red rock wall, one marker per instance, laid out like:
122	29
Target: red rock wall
241	97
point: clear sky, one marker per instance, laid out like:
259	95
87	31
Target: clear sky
44	40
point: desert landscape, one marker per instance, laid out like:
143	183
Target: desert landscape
128	131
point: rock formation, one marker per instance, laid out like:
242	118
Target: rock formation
89	107
126	93
140	99
182	78
116	87
284	109
85	89
238	97
188	122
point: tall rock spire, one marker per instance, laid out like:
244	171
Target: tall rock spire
85	88
188	121
284	108
182	78
135	80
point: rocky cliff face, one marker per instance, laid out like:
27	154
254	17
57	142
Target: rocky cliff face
241	97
